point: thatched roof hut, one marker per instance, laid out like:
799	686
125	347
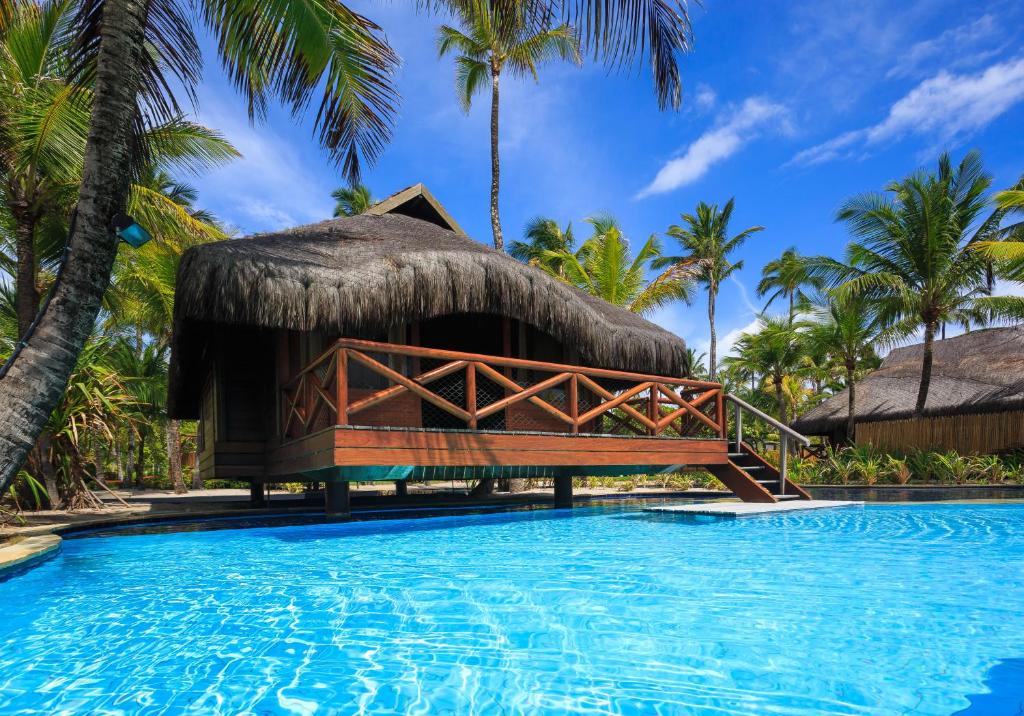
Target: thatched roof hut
405	263
977	373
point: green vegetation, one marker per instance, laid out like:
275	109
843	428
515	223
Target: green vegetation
864	465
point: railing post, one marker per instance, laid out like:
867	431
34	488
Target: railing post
652	409
341	386
720	414
574	403
738	418
782	462
471	394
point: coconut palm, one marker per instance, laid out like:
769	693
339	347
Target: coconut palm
605	267
495	37
704	237
774	352
352	200
914	255
293	51
846	330
543	239
46	121
786	277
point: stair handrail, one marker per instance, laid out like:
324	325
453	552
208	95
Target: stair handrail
785	432
780	426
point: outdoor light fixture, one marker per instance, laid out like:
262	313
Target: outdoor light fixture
129	231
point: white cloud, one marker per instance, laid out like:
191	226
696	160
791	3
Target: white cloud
705	97
717	144
727	342
272	186
954	43
948	107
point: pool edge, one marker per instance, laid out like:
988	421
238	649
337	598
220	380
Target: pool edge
27	552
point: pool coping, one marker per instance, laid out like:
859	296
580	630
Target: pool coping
24	552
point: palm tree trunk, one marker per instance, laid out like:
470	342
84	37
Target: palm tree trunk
791	297
499	242
35	382
26	297
129	472
174	456
778	381
49	474
713	349
851	406
926	368
140	462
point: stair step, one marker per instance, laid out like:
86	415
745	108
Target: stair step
788	497
768	482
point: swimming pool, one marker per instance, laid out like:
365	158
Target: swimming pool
880	610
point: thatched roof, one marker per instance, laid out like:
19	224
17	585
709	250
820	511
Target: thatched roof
367	273
978	372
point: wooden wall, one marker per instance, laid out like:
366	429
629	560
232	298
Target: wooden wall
967	434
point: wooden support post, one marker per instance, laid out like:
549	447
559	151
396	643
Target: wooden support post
401	488
563	491
257	494
336	502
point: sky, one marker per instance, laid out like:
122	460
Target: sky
790	107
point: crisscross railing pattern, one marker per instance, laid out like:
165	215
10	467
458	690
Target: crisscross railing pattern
479	392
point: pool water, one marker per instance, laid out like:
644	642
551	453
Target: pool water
877	610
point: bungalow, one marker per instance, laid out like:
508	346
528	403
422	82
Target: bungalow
391	346
975	398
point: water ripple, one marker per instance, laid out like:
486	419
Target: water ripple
882	610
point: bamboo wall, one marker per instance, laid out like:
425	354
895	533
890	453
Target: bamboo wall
967	434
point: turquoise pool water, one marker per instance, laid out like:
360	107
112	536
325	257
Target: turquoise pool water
881	610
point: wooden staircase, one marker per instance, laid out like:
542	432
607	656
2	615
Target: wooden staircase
750	477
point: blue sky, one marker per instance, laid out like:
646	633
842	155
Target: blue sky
791	107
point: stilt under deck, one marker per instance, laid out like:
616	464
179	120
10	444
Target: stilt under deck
515	418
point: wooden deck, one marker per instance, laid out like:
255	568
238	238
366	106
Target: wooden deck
368	453
364	410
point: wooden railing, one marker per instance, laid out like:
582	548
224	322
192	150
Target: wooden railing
480	392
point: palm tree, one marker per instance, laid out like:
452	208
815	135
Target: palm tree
46	121
543	240
496	36
352	200
785	277
289	50
845	330
604	267
915	255
773	352
704	236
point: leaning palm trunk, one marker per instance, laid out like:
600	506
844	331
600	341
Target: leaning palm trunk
174	456
33	386
926	368
499	241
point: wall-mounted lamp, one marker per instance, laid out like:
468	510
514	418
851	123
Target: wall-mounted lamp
129	231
